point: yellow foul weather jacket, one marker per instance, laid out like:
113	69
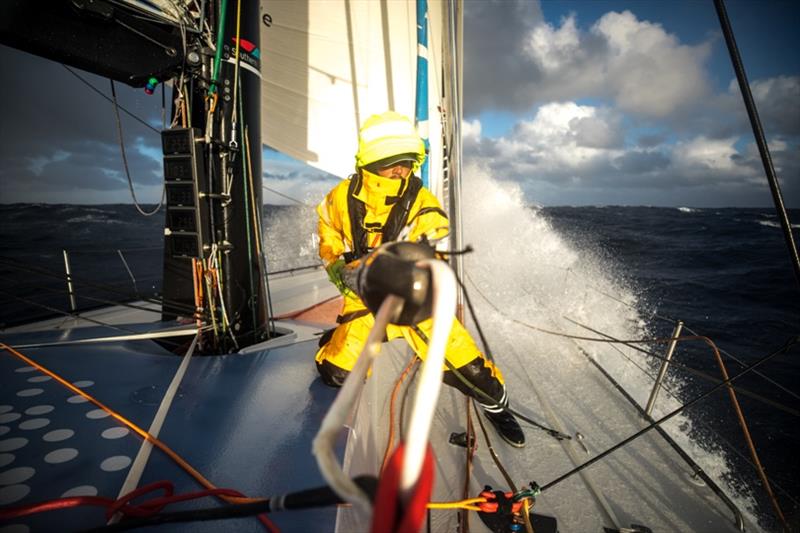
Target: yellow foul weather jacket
425	219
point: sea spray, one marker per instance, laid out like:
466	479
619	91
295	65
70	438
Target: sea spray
523	270
290	237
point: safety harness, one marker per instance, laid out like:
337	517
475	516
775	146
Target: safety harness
395	222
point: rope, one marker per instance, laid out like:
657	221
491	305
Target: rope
139	431
125	162
673	322
783	349
496	460
390	441
262	264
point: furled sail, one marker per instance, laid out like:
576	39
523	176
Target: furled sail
329	64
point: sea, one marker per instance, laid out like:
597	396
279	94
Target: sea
724	272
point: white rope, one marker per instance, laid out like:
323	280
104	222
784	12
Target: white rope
324	443
444	309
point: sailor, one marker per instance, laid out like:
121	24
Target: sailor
381	202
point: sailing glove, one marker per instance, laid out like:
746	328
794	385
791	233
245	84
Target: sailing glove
336	275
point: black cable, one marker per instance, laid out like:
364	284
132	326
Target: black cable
783	349
304	499
474	316
101	93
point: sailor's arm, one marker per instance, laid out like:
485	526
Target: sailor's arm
428	219
331	236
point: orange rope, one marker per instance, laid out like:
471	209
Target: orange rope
141	432
397	384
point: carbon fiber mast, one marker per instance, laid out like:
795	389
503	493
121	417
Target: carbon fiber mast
212	172
212	152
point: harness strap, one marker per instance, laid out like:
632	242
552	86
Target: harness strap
395	222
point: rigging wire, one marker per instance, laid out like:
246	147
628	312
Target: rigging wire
631	344
780	351
687	368
125	163
11	263
285	196
726	381
673	322
101	93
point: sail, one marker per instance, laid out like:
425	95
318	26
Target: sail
329	64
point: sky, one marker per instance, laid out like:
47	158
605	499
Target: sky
581	102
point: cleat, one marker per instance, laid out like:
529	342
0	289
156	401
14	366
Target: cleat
508	427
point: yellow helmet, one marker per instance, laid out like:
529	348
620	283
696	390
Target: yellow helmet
388	136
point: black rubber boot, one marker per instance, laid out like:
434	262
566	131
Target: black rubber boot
508	427
504	422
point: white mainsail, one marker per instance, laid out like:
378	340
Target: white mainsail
329	64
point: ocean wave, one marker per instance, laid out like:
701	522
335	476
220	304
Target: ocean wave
773	224
688	210
92	219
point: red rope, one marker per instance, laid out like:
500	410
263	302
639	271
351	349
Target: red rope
124	504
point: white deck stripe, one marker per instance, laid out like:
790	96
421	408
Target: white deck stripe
116	338
135	473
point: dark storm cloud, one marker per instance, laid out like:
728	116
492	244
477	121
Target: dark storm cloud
495	67
60	135
641	162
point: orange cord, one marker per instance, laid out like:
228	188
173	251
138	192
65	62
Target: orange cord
397	384
142	433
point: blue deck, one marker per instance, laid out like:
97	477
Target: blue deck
244	421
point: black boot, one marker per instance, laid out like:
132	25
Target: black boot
508	427
504	422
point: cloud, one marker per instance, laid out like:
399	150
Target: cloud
626	61
61	141
551	159
778	101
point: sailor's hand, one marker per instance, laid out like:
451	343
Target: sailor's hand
336	275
